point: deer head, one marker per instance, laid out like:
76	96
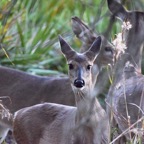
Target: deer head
132	30
80	65
134	36
87	37
135	19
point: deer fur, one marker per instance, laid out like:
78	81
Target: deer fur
25	90
59	124
125	96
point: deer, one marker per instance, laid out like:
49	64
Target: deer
125	97
23	89
61	124
87	36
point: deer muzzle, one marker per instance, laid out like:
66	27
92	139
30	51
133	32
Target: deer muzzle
79	83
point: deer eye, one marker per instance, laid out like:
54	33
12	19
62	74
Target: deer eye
108	49
71	66
88	67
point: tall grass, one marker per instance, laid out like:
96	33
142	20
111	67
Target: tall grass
29	31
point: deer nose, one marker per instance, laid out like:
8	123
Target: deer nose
79	83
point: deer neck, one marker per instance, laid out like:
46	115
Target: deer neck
134	49
133	56
95	71
86	104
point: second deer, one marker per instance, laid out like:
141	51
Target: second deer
48	123
126	95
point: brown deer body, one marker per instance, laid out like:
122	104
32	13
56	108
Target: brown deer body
126	93
26	90
59	124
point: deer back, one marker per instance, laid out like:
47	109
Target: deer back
20	89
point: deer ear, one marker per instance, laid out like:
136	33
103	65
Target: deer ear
67	51
81	30
117	9
94	50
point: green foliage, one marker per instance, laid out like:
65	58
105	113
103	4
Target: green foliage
29	31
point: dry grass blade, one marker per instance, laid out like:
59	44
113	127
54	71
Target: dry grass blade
127	130
4	112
